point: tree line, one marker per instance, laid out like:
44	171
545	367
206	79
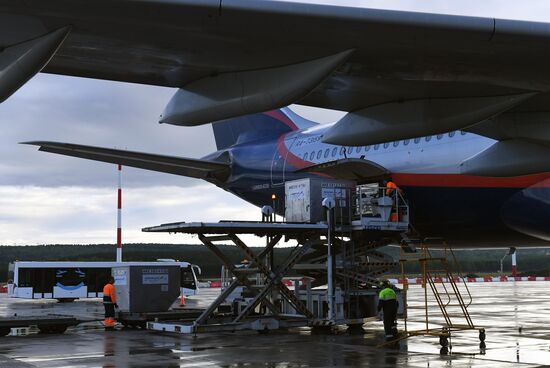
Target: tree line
532	261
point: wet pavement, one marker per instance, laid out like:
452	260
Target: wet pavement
515	315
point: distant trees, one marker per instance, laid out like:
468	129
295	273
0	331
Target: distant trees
471	261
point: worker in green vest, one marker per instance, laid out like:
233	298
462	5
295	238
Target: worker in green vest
387	303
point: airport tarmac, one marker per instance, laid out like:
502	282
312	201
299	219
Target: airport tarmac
515	315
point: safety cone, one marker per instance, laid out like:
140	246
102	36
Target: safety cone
182	301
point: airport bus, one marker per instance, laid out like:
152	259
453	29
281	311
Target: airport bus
67	281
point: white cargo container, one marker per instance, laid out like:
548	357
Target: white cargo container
303	199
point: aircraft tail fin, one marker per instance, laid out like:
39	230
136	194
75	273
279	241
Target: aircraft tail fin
257	126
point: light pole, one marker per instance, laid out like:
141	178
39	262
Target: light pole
328	203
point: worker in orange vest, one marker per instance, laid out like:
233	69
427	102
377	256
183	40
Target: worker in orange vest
391	187
109	303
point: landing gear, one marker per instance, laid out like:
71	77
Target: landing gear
444	341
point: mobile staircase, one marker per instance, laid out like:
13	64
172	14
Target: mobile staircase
443	286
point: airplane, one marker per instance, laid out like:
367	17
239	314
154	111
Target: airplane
257	153
400	76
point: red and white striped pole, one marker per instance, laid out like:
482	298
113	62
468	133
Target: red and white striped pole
514	265
119	218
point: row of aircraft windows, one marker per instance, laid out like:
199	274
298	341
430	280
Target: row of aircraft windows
317	155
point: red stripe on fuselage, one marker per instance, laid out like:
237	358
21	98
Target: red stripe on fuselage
276	114
469	181
290	157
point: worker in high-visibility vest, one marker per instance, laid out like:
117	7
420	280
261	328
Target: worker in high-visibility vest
391	187
109	303
388	304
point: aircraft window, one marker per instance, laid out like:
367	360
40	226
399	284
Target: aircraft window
342	151
327	152
396	143
319	154
334	151
358	149
451	134
462	132
305	156
350	150
311	155
439	136
406	142
386	145
376	146
367	148
417	140
428	138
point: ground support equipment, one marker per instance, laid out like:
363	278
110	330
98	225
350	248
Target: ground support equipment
264	302
444	287
139	320
50	323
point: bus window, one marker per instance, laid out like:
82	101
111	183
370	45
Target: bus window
96	279
187	278
25	277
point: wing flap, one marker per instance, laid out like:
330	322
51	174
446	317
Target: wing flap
195	168
359	170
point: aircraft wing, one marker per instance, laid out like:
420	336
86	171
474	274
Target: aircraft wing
195	168
355	169
398	74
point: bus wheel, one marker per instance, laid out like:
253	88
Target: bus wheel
5	331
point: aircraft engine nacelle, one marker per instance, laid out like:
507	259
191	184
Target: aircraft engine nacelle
513	157
416	118
20	61
528	211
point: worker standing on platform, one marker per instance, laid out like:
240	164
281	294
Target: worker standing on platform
391	187
388	304
109	303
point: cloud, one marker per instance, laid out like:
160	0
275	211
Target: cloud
94	112
46	198
81	215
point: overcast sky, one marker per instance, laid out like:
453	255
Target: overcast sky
47	198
